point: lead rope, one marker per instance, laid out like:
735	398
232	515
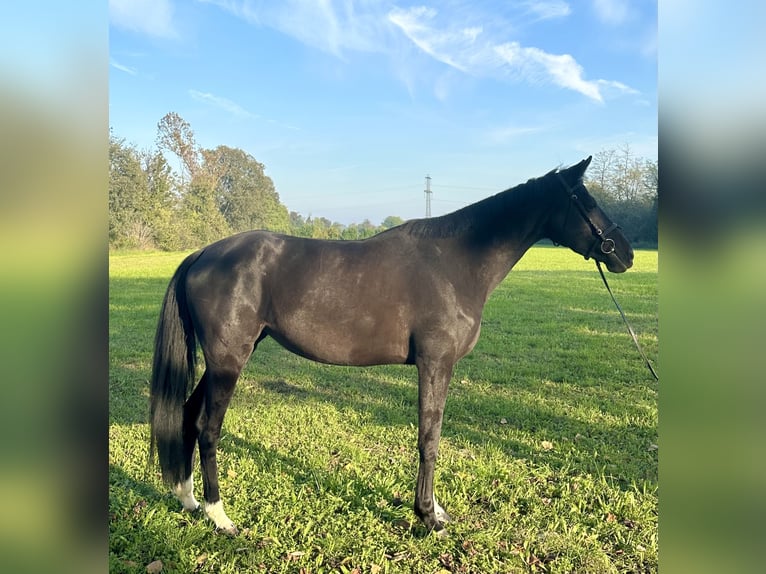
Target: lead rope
625	319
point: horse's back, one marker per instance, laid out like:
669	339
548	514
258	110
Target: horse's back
343	302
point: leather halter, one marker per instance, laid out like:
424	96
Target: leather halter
601	236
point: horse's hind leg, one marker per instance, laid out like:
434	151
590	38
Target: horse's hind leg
184	490
219	390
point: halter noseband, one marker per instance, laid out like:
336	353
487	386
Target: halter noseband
600	235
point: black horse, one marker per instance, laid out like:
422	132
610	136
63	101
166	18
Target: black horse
413	294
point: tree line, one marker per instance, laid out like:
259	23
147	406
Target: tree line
221	191
216	192
626	186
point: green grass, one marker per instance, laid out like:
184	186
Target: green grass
548	459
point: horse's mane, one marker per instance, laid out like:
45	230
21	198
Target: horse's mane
480	215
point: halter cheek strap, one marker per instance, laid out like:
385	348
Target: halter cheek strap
600	235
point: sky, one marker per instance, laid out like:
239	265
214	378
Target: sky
350	105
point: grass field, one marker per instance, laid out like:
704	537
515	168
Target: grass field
548	459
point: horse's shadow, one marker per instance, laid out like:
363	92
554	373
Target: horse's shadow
476	419
386	403
336	490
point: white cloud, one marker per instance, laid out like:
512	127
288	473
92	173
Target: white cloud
615	87
463	38
332	27
545	10
444	46
560	69
462	51
152	17
221	103
127	69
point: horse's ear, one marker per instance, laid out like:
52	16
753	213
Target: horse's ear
583	165
575	173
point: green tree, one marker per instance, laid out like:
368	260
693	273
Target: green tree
626	187
131	198
174	134
215	193
124	189
366	229
245	195
336	230
297	223
160	206
391	221
199	220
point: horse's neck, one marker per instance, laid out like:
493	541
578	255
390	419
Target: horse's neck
521	229
502	259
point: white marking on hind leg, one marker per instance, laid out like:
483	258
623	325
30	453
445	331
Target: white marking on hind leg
214	511
184	491
441	514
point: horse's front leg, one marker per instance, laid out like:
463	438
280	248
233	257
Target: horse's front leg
433	381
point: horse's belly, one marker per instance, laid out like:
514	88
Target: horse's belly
361	339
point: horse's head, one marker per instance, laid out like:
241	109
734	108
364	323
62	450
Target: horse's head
580	224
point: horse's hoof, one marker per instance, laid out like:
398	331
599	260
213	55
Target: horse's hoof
444	517
441	532
214	511
227	530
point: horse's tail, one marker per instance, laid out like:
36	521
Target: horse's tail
173	373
